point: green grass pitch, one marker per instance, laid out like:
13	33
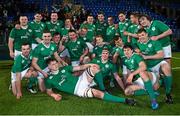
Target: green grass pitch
40	103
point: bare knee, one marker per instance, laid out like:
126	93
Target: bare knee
128	91
166	69
144	75
97	93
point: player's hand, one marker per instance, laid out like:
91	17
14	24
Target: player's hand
129	79
125	33
45	74
19	95
57	97
17	26
154	38
145	57
81	59
11	54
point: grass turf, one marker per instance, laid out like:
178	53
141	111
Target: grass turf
40	103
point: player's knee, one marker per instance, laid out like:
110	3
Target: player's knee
128	91
97	93
95	69
165	68
144	75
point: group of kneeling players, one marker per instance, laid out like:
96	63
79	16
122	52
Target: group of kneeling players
80	62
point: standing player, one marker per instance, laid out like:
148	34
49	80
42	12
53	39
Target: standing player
101	25
138	73
110	32
91	28
38	27
153	54
19	36
43	51
122	26
22	68
54	25
158	31
78	86
133	29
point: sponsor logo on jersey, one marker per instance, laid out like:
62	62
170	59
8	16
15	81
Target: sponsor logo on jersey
42	49
107	66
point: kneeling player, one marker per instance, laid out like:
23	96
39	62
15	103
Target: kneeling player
63	80
137	67
20	69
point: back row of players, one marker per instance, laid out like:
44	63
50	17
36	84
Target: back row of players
140	46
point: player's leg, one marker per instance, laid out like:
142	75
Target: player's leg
13	84
149	88
108	97
167	81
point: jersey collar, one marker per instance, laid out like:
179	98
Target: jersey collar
46	45
55	72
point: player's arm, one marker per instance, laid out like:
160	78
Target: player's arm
162	35
83	67
158	55
115	57
11	46
56	97
86	51
56	56
119	80
36	66
142	67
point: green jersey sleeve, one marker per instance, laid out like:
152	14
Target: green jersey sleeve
12	34
161	26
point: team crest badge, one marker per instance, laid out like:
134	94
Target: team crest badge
107	66
52	48
63	71
149	45
42	49
78	42
50	77
22	61
153	28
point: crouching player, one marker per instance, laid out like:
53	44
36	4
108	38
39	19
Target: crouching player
152	52
22	68
137	75
63	80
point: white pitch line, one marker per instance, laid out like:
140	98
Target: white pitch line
176	58
175	68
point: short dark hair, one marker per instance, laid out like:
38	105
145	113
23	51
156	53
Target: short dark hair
116	37
46	31
72	30
56	33
26	43
49	60
121	12
37	12
145	15
100	12
135	14
141	30
127	46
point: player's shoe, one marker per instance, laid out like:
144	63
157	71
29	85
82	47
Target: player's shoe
154	105
130	101
169	99
32	90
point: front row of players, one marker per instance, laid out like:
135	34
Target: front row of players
141	71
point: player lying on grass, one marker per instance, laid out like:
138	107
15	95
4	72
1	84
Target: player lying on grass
138	76
21	68
63	80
